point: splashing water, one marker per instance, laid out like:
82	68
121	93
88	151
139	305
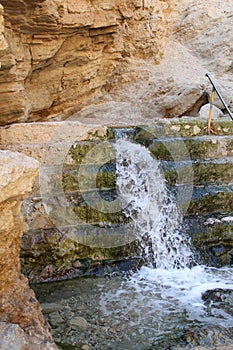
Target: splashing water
166	295
162	299
156	219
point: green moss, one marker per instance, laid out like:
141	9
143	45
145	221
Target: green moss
57	254
78	150
213	172
90	215
216	244
210	203
60	255
102	179
204	172
63	346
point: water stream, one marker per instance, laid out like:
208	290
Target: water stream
165	297
148	203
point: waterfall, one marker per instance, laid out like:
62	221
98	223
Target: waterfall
151	207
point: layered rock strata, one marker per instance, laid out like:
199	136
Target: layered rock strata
147	57
22	325
56	55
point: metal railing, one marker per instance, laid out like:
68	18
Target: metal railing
215	89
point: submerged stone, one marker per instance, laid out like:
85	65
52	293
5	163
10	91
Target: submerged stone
78	322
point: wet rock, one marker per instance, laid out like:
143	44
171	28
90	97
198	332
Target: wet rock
51	307
55	319
212	238
208	336
78	322
228	219
202	338
85	347
219	299
231	203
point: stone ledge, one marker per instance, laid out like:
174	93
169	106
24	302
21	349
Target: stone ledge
17	173
22	325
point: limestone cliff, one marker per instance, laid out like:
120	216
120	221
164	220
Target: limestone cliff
22	325
146	57
57	53
205	29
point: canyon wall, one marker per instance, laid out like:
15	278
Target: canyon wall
146	57
55	55
22	325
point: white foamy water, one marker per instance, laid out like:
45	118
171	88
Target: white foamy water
156	303
156	219
159	301
185	287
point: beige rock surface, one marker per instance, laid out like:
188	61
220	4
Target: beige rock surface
3	43
18	304
58	57
62	52
153	91
205	29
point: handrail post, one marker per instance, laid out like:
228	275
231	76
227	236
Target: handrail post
219	95
209	127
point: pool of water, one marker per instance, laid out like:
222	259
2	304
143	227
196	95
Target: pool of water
141	311
153	308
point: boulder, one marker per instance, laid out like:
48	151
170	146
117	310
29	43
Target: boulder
22	325
204	112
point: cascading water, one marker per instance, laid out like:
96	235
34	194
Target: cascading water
166	295
161	302
156	219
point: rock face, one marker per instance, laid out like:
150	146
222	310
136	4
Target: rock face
55	54
205	30
22	325
58	57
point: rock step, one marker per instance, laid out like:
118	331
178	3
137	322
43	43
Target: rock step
205	200
64	170
197	147
71	131
177	149
182	127
74	208
52	253
89	177
49	254
212	235
211	199
49	142
199	172
43	133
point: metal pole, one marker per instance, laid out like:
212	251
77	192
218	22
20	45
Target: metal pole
219	95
